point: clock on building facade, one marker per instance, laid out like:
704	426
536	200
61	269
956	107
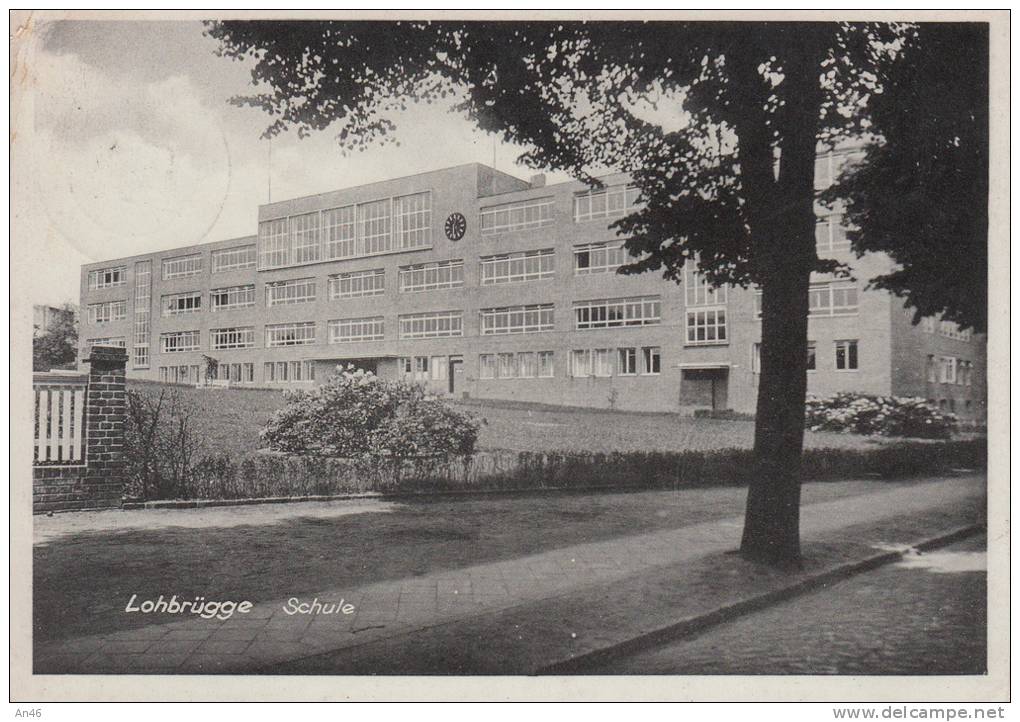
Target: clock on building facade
456	226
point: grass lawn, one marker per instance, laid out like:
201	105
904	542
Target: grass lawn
229	420
87	565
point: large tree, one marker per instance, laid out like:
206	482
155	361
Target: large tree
728	185
921	192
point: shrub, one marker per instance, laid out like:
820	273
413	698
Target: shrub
160	444
878	415
356	414
269	475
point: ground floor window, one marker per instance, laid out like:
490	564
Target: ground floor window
286	371
516	365
846	355
812	357
179	374
628	361
653	359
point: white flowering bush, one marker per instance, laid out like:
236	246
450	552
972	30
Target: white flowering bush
878	415
357	414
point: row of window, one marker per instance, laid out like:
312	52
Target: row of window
363	229
618	362
241	373
830	298
845	356
950	370
948	329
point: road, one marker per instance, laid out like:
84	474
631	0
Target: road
925	615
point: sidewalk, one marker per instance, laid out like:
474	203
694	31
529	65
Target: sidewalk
527	614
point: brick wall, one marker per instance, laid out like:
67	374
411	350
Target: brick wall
99	483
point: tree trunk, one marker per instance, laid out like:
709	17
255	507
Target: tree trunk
772	521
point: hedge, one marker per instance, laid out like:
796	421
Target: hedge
262	475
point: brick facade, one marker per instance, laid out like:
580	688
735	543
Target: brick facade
692	373
98	484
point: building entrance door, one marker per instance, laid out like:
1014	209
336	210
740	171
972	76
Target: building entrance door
704	389
456	369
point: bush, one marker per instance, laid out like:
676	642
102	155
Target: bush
879	415
160	444
355	414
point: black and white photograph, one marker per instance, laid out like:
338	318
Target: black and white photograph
605	356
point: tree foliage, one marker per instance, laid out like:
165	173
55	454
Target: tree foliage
57	345
921	193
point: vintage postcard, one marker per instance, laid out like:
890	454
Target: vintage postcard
475	355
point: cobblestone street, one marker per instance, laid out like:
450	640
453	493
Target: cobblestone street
924	615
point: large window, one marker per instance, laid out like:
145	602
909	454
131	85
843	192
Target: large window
179	341
651	360
236	373
290	334
828	166
846	355
349	330
143	301
947	369
380	226
516	319
180	304
179	374
182	266
832	299
436	324
412	218
338	232
518	267
282	293
698	291
224	299
288	371
516	216
119	342
812	357
826	299
107	277
616	312
357	283
234	259
432	276
304	237
610	202
830	235
628	361
516	365
374	226
107	312
274	245
706	326
227	338
599	258
580	363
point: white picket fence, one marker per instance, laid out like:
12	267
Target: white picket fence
59	419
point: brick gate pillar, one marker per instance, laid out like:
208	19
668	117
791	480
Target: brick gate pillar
105	410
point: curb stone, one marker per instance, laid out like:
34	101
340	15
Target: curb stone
695	625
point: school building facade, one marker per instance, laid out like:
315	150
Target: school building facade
483	285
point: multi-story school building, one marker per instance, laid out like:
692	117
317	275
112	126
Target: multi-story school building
483	285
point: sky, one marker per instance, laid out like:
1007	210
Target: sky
125	142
